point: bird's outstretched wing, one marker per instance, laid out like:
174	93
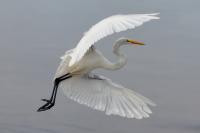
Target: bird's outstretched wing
107	27
102	94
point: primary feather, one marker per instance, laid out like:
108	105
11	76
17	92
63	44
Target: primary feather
102	94
107	27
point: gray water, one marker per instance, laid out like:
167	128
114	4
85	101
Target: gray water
35	33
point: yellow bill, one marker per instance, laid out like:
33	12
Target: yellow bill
135	42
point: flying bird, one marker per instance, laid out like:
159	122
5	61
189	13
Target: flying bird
74	74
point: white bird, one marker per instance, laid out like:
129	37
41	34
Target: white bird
98	92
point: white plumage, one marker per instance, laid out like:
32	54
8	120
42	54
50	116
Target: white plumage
95	91
107	27
102	94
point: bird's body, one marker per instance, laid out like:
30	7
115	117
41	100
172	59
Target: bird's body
91	60
75	76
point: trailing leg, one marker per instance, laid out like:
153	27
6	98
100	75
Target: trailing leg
51	102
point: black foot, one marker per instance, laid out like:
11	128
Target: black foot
46	106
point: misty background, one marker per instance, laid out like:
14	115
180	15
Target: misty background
35	33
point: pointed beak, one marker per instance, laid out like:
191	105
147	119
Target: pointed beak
135	42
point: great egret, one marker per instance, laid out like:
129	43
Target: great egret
98	92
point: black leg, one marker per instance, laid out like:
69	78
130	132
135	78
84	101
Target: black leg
50	103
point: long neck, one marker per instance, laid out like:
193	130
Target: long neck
121	59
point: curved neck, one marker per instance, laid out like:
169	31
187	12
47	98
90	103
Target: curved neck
121	59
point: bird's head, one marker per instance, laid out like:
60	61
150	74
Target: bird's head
124	41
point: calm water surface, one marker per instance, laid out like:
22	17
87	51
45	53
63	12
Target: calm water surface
35	33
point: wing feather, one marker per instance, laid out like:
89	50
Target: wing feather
108	26
102	94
